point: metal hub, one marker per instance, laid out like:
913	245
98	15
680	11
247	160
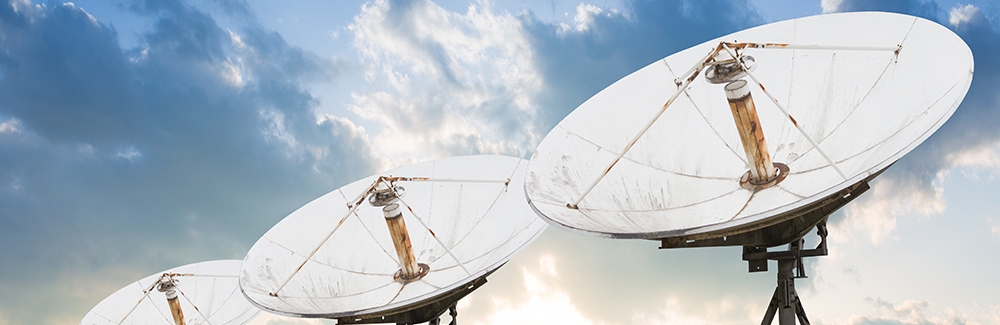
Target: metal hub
728	70
401	277
780	172
385	195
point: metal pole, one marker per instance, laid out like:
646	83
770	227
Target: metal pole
168	287
751	134
401	240
896	48
786	292
785	111
438	240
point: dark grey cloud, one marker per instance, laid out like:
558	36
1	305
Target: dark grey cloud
117	163
576	65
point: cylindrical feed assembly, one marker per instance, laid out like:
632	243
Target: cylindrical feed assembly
748	124
410	270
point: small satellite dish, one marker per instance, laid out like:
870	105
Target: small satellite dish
672	150
722	160
193	294
366	253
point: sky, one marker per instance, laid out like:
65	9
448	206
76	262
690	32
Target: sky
136	136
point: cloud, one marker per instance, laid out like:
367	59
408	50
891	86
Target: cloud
544	297
921	8
962	16
190	145
910	312
272	319
204	135
622	282
584	18
445	83
542	303
606	44
183	149
915	184
725	310
483	81
891	196
10	127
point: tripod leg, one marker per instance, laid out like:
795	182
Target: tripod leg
454	314
771	308
800	312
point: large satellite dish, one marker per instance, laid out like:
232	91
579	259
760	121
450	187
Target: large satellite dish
367	253
865	87
193	294
753	138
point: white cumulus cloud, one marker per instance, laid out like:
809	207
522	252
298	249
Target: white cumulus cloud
907	194
962	15
445	83
915	312
584	18
831	5
874	213
544	304
11	126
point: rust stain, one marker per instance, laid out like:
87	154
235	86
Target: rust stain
691	78
432	232
193	305
793	120
608	170
299	268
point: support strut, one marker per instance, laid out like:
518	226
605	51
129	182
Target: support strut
785	301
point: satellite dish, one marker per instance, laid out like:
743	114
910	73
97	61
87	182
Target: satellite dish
193	294
367	253
846	96
694	150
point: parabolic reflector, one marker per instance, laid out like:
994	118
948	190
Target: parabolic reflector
335	257
207	292
865	87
